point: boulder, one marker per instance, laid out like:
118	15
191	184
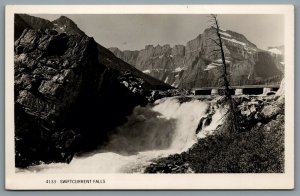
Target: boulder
270	111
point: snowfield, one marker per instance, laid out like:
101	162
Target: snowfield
274	51
234	40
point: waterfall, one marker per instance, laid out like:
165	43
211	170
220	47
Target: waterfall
154	131
215	122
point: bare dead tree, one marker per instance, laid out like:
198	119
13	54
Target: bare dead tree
228	98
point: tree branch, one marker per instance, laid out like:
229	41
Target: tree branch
215	42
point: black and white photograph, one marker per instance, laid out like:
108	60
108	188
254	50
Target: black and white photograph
177	98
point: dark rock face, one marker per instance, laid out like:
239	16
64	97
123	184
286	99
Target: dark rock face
65	97
48	84
23	21
197	65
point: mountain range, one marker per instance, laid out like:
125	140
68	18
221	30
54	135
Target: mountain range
198	62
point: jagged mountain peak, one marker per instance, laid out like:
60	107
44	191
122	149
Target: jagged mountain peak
62	24
209	29
63	20
65	24
229	37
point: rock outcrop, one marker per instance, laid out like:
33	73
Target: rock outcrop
159	94
197	64
69	92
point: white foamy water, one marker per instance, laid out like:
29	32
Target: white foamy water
187	117
217	119
166	128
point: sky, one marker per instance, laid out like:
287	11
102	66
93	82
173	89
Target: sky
133	32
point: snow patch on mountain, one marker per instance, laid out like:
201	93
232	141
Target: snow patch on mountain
166	80
210	66
178	69
275	51
225	34
147	71
216	64
174	85
219	61
234	41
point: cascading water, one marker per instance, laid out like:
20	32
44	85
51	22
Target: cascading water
216	120
151	132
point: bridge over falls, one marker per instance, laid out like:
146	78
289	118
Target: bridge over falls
238	90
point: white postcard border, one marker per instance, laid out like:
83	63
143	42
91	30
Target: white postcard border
150	181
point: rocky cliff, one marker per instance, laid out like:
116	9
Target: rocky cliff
67	91
198	64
